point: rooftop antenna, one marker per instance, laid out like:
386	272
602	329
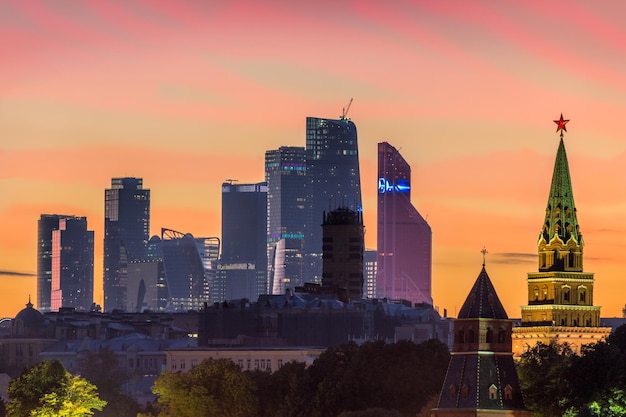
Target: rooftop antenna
344	113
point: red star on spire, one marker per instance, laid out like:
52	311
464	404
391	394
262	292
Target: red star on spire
560	125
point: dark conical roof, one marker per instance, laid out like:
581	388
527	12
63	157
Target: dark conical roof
560	216
482	301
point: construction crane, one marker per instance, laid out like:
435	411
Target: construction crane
344	113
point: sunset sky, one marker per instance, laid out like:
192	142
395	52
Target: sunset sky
186	94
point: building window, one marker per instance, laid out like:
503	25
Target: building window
269	364
240	363
256	364
280	363
508	392
465	391
493	392
452	391
489	335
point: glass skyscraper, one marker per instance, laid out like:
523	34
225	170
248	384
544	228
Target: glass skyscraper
242	270
72	265
126	234
285	174
404	236
333	180
45	226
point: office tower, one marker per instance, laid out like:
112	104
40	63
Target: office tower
46	224
126	233
370	270
146	286
285	174
242	271
177	274
560	295
72	265
481	379
404	237
342	252
332	180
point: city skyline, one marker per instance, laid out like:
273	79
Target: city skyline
466	90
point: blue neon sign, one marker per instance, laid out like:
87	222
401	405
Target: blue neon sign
384	186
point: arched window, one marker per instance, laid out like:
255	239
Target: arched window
536	291
489	335
461	336
501	336
565	289
470	336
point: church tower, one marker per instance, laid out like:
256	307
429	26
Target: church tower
481	379
560	295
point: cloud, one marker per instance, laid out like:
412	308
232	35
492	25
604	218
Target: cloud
514	258
16	274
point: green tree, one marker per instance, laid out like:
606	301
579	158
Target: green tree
543	374
48	390
214	388
376	375
101	369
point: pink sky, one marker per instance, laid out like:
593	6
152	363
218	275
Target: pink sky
188	94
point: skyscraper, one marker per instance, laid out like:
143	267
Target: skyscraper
404	237
333	180
72	265
126	234
342	252
242	270
45	226
285	174
560	295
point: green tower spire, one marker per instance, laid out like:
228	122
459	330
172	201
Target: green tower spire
560	241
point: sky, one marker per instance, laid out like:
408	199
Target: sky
186	94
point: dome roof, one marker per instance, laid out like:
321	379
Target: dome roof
30	316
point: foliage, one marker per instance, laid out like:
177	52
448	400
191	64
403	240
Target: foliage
356	380
101	369
556	382
215	387
542	372
48	390
375	375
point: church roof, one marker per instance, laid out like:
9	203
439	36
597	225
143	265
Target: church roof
30	316
560	216
482	301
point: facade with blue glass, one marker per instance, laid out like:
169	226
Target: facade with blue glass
242	270
333	180
126	234
285	174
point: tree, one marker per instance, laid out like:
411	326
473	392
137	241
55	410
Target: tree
543	375
48	390
214	388
101	369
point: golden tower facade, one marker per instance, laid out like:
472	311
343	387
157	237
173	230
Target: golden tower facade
560	295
